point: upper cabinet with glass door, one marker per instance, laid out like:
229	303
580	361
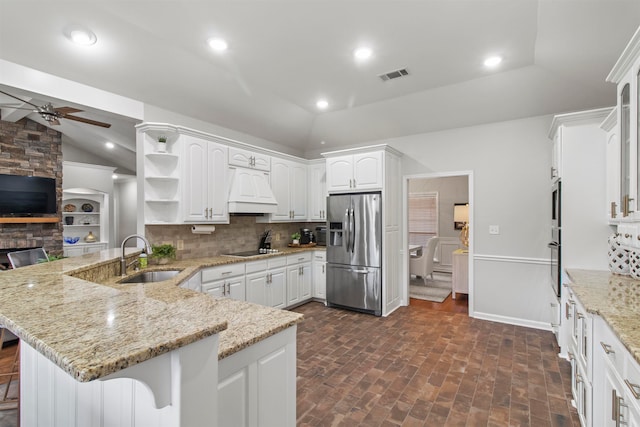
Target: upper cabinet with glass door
626	75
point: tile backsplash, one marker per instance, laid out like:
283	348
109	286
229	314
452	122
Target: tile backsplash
242	234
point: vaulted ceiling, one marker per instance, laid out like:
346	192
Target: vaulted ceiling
284	55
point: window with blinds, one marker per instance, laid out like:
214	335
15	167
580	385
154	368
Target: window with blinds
423	217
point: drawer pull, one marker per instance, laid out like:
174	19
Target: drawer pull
607	348
571	356
634	388
580	316
224	273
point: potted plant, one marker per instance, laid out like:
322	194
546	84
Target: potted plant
162	144
296	238
163	253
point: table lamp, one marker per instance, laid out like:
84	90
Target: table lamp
461	214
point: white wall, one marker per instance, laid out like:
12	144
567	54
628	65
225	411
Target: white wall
510	163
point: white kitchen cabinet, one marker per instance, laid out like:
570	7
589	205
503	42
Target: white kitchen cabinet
626	75
225	281
613	200
257	385
249	159
289	186
87	248
194	283
319	275
204	181
317	191
298	278
266	282
585	227
355	172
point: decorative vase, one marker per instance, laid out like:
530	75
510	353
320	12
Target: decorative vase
296	241
90	238
68	220
618	256
162	147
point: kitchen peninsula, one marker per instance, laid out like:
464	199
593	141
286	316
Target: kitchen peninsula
97	352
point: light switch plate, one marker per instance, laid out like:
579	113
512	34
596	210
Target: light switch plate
494	229
180	245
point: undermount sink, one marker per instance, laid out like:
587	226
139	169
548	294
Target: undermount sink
151	276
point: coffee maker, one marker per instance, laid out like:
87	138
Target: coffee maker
306	236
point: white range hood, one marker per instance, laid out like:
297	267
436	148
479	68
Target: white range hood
250	192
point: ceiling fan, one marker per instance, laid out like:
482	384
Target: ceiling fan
53	115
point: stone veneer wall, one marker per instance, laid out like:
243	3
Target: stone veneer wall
31	149
242	234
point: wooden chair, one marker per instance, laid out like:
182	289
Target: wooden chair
422	266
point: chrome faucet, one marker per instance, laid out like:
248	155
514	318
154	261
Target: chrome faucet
123	262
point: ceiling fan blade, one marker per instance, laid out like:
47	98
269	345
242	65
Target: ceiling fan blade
9	106
22	100
67	110
88	121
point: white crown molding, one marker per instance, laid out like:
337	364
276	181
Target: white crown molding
626	59
610	121
578	118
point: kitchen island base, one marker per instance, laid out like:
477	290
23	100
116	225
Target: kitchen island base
174	389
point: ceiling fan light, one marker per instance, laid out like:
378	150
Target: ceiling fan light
109	145
322	104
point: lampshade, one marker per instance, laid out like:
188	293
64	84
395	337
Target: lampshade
461	213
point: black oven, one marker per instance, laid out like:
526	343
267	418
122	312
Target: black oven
555	245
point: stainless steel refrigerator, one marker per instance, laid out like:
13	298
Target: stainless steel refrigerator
354	252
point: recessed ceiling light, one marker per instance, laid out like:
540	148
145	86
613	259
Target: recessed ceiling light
362	53
492	61
322	142
114	176
322	104
109	145
218	44
80	36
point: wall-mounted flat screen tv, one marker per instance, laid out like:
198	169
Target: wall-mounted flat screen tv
27	195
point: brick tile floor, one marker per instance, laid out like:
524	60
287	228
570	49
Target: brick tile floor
421	367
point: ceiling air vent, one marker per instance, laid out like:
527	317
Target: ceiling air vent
394	74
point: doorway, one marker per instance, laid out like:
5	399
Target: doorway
432	207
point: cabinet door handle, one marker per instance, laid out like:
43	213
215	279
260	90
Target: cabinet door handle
567	310
571	356
229	288
580	316
607	348
635	389
613	209
322	268
210	212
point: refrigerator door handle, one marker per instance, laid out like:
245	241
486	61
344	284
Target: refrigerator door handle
345	228
352	231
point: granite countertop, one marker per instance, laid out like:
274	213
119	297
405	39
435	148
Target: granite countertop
613	297
93	326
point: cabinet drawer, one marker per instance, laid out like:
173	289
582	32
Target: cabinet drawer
320	256
607	345
256	266
275	262
631	377
298	258
222	272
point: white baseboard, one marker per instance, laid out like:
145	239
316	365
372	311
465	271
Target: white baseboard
513	321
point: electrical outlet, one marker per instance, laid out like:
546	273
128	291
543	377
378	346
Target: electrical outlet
494	229
277	237
180	245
